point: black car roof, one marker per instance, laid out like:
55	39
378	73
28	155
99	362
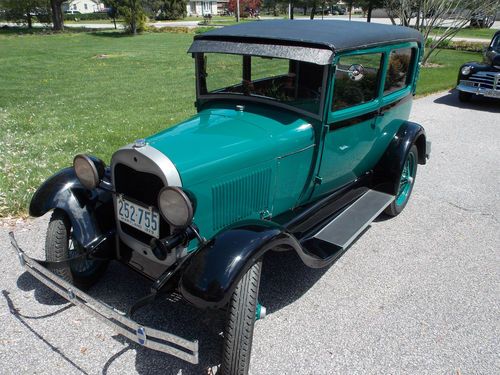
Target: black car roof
327	35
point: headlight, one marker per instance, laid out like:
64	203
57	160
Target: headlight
466	70
175	206
89	170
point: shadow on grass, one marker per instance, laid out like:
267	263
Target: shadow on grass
112	34
478	103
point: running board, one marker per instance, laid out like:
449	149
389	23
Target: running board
336	236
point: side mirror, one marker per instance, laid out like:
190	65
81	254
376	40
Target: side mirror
356	72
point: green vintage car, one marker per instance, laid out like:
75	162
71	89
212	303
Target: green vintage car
301	139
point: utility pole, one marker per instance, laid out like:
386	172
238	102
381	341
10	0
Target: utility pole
237	10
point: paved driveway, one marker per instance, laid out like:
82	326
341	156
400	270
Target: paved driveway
418	294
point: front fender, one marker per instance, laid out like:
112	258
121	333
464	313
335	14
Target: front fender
212	274
388	169
90	212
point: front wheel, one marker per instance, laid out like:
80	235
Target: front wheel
60	246
238	333
404	183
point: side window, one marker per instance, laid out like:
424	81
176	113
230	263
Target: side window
398	74
356	80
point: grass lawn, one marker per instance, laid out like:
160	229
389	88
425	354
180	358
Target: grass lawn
474	33
60	96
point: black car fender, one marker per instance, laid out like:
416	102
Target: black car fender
90	211
211	275
388	169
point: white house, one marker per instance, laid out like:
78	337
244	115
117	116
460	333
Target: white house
201	8
83	6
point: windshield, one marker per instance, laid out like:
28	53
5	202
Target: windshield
293	83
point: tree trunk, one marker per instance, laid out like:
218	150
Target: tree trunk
313	11
29	18
114	21
57	17
369	12
291	11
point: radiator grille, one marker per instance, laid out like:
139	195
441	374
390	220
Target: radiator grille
141	187
485	79
241	197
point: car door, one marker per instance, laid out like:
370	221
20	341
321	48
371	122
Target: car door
398	86
350	131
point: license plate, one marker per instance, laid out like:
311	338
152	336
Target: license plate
492	93
145	219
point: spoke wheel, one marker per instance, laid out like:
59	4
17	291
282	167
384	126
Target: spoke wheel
60	245
405	183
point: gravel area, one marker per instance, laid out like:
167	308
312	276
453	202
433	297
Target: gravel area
417	294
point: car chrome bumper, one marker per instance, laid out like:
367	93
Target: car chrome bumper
117	320
468	86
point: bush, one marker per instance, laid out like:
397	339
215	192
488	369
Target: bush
168	29
461	45
86	16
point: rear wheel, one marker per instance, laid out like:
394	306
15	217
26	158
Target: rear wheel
464	96
59	245
405	183
238	333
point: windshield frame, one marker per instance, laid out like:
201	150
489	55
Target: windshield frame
199	60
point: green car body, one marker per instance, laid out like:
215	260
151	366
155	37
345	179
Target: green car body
275	155
302	143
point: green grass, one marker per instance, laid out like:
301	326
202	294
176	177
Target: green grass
444	75
474	33
58	98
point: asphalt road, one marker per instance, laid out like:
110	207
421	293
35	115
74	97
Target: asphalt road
418	294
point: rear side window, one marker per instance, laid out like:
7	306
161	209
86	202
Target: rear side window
398	70
356	80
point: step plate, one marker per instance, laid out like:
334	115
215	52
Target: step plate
344	229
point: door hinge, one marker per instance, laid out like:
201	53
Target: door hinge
318	180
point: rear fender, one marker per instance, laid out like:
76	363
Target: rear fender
90	212
389	168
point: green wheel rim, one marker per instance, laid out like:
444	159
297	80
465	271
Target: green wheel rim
406	180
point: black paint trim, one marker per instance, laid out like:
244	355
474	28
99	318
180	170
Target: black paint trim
368	116
90	211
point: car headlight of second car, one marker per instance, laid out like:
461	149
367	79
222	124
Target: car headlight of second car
466	70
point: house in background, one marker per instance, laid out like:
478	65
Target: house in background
83	6
202	8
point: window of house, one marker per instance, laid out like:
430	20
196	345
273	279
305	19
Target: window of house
74	6
85	6
398	70
356	80
207	7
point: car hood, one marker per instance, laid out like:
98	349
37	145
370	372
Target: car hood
222	140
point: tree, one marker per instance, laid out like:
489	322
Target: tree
246	6
438	20
112	6
57	14
368	6
132	11
168	9
23	11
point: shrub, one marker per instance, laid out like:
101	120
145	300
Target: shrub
86	16
461	45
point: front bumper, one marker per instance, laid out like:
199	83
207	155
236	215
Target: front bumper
149	337
476	89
